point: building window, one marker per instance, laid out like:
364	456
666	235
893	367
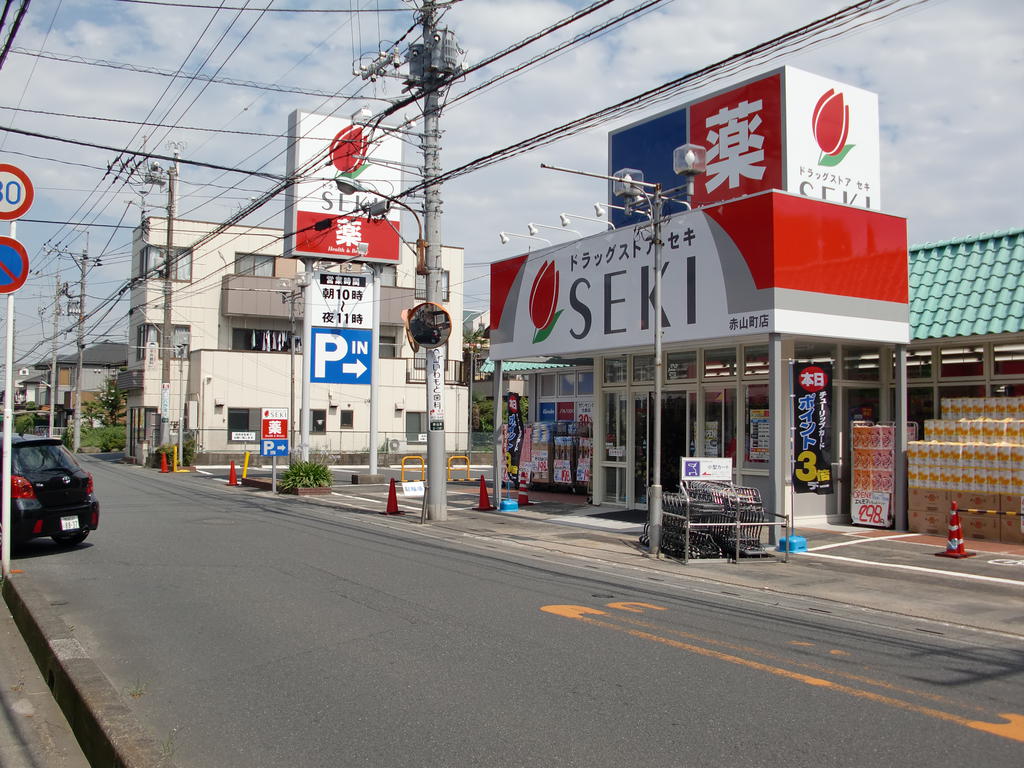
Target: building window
682	365
719	363
317	421
149	334
643	367
1008	359
347	419
585	383
567	383
755	360
151	263
962	361
860	363
615	370
415	427
547	385
919	364
243	424
388	275
256	264
421	286
388	346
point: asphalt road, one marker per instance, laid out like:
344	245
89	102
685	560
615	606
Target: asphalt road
250	631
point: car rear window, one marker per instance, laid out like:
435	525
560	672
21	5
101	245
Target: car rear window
41	457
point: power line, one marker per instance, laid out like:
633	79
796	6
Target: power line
166	4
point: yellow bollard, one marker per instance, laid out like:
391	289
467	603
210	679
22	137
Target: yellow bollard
245	466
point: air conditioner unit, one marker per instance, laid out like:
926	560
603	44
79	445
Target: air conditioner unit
394	445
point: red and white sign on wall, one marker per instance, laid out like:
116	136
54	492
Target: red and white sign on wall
320	220
274	423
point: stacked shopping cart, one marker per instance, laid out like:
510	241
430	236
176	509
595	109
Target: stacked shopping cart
713	520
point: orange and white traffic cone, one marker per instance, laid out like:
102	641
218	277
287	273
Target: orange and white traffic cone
524	498
955	542
163	463
392	508
232	475
485	500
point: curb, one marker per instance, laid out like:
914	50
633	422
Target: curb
107	731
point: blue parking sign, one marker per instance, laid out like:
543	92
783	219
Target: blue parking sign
276	447
340	356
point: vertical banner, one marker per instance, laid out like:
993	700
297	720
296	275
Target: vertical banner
513	440
812	427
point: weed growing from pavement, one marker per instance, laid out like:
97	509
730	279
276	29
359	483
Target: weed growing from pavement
138	690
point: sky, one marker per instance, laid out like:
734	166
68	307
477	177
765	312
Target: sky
948	74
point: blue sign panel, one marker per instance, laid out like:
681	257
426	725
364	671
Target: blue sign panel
547	412
13	265
648	146
275	447
340	356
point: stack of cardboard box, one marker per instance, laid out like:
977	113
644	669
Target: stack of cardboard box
974	456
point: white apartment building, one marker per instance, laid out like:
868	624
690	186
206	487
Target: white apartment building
235	309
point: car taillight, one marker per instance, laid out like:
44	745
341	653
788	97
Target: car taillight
88	486
21	488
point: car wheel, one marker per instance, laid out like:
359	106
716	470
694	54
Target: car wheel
70	539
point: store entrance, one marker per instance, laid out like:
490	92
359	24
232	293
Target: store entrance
678	431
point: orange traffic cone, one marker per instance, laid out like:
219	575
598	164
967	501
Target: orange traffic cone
232	475
392	508
485	500
524	498
163	463
955	542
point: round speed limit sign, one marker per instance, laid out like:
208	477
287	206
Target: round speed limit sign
16	192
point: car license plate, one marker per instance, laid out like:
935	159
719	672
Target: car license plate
69	523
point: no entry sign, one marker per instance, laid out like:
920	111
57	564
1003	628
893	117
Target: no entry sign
13	265
16	192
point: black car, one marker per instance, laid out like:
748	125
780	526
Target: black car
51	495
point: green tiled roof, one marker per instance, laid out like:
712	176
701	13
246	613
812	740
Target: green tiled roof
967	287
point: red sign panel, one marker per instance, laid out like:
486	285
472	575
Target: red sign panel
566	411
742	130
342	236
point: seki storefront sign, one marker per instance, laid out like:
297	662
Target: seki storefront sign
319	220
772	262
787	129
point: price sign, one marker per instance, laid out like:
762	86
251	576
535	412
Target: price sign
16	192
871	509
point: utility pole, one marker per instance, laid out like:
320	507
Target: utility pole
436	63
84	265
167	334
60	290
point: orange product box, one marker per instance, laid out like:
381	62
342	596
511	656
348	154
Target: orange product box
929	499
927	521
980	526
1011	502
1011	529
978	500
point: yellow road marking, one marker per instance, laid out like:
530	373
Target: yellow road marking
1012	729
636	607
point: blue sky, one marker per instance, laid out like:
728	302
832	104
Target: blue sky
948	74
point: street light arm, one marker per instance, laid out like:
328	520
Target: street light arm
532	229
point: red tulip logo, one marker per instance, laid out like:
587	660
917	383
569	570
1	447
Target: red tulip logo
348	150
544	301
831	126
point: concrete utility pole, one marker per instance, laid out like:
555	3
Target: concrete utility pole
167	334
84	265
60	290
437	64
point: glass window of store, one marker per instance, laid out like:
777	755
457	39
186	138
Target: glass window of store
719	363
755	360
758	427
959	362
585	383
1008	360
860	363
614	453
615	370
548	385
566	384
681	366
720	423
919	364
643	368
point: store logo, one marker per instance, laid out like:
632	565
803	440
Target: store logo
348	151
544	301
831	126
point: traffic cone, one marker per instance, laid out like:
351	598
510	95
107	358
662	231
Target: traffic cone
524	498
392	508
955	542
485	501
232	475
163	463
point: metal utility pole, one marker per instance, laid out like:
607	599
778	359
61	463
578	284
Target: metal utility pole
60	290
167	334
84	265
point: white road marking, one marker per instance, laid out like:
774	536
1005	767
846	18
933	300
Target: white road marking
918	568
861	540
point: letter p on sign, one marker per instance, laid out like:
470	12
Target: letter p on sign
329	348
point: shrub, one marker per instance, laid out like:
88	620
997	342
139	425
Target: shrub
25	424
305	474
105	438
188	452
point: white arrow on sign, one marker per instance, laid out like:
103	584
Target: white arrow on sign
358	368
